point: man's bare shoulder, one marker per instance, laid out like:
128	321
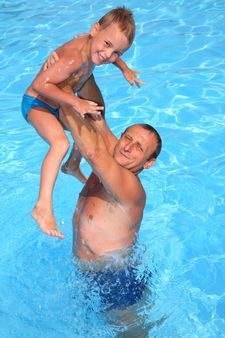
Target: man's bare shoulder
135	191
123	185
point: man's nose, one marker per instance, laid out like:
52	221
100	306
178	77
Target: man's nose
129	146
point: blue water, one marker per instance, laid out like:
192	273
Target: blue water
179	49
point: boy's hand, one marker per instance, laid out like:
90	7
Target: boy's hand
51	60
130	76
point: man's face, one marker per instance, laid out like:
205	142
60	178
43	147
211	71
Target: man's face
107	44
134	148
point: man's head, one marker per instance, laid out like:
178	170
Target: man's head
138	147
112	35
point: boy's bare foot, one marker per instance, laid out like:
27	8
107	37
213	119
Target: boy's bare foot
74	172
46	222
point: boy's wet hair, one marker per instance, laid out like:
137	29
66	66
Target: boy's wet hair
123	17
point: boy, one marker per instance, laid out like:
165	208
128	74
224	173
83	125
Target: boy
108	40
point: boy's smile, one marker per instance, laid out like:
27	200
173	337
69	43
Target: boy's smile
107	44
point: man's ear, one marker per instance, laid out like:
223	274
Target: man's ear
149	163
94	29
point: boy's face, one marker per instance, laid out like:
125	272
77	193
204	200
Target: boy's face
107	44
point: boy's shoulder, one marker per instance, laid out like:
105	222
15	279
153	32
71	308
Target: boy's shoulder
71	48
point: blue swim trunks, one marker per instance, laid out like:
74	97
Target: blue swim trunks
30	102
119	289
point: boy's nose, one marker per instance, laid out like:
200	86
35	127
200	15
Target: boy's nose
108	53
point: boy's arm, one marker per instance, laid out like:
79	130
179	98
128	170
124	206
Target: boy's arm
129	74
47	84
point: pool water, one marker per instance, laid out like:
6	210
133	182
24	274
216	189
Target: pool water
179	50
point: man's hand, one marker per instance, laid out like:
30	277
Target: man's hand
53	57
88	107
51	60
82	35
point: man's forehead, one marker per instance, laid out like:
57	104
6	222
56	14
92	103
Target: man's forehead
141	134
136	130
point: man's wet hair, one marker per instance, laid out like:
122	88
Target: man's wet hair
123	17
158	148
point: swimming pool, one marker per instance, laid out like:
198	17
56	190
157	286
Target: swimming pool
179	49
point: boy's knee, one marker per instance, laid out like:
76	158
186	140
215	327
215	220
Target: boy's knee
62	145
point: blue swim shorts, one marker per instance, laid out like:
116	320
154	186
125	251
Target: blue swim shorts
119	289
30	102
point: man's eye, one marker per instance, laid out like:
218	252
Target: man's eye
107	43
139	147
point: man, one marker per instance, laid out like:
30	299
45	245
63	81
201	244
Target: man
110	206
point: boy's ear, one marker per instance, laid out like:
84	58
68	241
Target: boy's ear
94	29
149	163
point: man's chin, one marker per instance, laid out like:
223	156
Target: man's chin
121	161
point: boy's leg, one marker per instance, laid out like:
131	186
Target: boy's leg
72	165
52	132
89	91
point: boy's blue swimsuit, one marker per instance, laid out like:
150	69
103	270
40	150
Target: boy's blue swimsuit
30	102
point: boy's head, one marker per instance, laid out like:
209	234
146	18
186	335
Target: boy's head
112	35
123	17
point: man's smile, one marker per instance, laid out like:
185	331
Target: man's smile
123	154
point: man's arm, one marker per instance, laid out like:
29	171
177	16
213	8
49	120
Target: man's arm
97	148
